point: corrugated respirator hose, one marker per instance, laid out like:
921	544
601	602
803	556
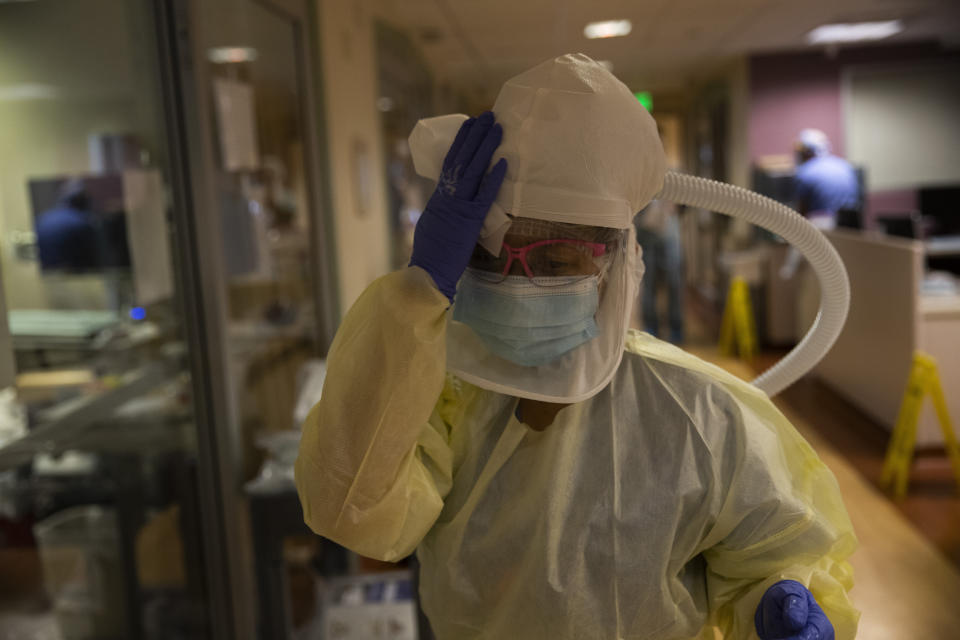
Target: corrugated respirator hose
809	241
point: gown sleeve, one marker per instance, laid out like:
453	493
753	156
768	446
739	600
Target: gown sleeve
781	518
375	462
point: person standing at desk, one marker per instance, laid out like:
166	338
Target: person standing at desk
824	184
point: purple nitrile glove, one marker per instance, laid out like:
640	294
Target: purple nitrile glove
449	227
788	611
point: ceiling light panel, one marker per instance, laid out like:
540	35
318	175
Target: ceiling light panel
854	32
607	29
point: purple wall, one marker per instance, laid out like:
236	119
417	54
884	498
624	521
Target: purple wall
792	91
789	93
892	202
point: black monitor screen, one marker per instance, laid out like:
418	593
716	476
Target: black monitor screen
80	223
942	206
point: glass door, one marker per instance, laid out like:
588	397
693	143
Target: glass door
266	303
105	491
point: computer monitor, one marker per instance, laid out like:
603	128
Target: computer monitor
80	223
775	184
942	206
907	225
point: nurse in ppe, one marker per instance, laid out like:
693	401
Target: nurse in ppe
558	475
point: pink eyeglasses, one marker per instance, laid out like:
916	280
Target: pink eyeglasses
543	261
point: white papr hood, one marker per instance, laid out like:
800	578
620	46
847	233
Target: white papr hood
580	149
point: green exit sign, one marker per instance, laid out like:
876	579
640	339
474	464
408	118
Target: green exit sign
645	98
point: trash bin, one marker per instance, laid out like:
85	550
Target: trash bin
79	551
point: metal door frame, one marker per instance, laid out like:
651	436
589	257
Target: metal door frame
201	277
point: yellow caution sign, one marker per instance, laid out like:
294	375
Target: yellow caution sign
924	380
738	325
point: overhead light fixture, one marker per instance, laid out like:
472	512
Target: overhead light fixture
606	64
854	32
223	55
607	29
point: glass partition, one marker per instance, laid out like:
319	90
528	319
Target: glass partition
100	533
263	242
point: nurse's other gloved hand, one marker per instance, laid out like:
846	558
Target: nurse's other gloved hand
449	227
788	611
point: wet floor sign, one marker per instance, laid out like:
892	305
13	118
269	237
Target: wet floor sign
738	327
924	380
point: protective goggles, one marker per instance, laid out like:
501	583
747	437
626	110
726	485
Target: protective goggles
545	262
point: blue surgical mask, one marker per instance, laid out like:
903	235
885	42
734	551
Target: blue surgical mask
527	323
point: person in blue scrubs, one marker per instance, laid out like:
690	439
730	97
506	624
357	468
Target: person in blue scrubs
67	237
825	183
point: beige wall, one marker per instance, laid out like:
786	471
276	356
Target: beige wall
901	123
738	153
727	82
361	238
672	137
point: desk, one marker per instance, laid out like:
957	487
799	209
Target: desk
59	326
889	320
64	426
44	339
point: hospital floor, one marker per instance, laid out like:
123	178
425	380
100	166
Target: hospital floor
906	568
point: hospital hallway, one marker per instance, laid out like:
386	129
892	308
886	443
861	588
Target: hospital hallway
906	584
272	273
